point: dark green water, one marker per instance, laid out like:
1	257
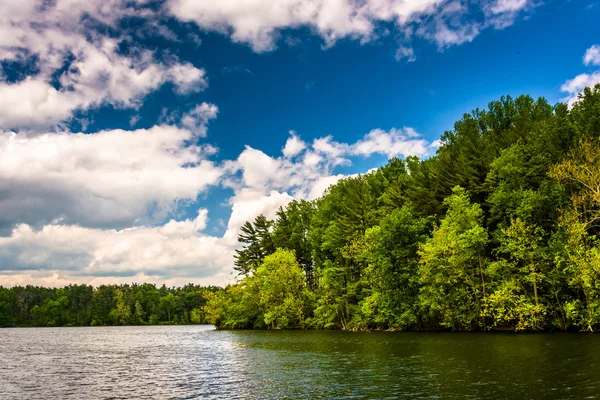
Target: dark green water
198	362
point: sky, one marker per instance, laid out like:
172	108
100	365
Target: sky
137	136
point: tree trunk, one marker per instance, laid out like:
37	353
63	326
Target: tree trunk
535	291
481	274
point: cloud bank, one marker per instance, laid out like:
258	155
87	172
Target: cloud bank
103	207
76	215
260	22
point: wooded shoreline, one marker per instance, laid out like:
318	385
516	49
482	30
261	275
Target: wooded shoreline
498	231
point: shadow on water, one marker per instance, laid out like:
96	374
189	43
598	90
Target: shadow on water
449	365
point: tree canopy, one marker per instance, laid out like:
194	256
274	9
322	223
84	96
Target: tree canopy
498	230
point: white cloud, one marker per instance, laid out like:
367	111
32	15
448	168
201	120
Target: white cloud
58	278
61	194
259	22
436	144
322	184
174	250
592	56
262	183
396	142
298	173
63	34
109	79
187	78
71	34
107	179
293	146
576	85
573	87
197	118
134	120
333	151
247	204
502	13
504	6
79	208
187	227
405	53
445	36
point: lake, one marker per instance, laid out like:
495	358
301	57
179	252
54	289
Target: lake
186	362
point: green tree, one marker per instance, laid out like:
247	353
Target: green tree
580	222
237	307
282	288
516	302
452	266
139	313
258	243
168	305
291	230
338	227
392	272
121	314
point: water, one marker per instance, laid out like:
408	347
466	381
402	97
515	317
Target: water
185	362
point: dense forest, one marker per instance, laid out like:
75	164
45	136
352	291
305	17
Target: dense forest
498	231
83	305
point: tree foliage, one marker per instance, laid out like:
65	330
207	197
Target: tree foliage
498	230
84	305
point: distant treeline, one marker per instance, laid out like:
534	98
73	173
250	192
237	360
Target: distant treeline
83	305
498	231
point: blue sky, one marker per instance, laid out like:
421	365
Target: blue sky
137	137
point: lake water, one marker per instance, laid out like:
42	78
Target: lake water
185	362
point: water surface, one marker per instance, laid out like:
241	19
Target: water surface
186	362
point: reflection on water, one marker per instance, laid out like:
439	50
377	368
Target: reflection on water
199	362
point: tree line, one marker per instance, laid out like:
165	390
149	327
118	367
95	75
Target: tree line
498	231
84	305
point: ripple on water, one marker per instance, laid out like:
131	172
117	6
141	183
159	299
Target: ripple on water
188	362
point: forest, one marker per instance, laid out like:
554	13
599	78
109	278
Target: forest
499	230
84	305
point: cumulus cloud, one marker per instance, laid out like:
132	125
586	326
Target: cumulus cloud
503	6
293	146
107	179
396	142
107	79
302	165
592	56
249	203
262	183
502	13
87	208
174	250
75	203
322	184
79	63
573	87
197	118
78	66
259	23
